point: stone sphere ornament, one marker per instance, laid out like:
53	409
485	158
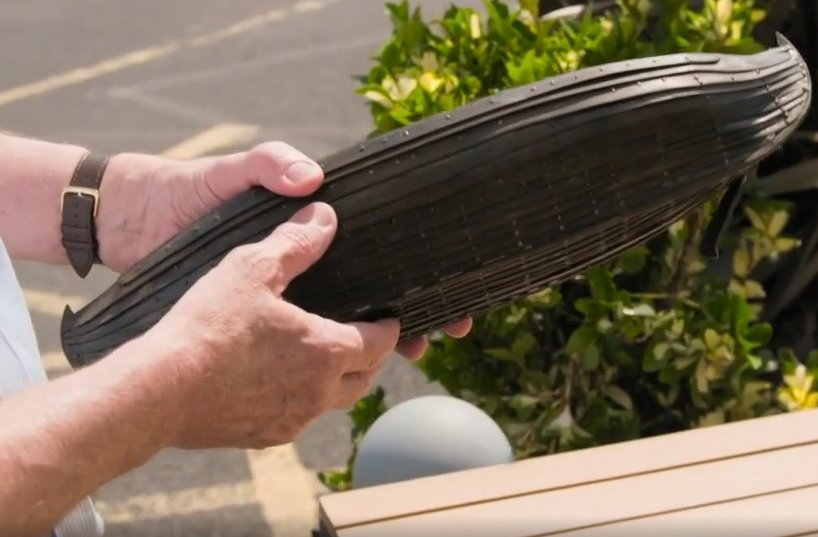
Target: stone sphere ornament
428	436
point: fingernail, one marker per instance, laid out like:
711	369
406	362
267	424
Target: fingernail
301	172
317	214
323	216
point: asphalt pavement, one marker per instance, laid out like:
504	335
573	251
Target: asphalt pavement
186	79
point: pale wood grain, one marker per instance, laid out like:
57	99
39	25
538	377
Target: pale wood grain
785	514
614	462
605	502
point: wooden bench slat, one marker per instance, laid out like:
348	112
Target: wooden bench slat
783	514
607	502
536	475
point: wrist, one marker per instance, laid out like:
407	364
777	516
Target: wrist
123	210
172	368
156	364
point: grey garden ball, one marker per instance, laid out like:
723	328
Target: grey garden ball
427	436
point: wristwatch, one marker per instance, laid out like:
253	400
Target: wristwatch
79	206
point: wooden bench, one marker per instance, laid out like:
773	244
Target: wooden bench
752	478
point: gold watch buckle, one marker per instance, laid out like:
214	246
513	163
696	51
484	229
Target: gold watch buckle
81	191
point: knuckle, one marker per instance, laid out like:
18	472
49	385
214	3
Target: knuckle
298	241
234	260
324	368
329	362
355	345
335	343
377	360
359	383
274	147
240	253
256	261
271	153
366	380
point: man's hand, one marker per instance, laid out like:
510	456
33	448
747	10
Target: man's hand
253	368
147	200
231	364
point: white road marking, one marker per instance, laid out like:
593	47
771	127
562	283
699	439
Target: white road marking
284	489
188	501
166	105
253	64
213	139
280	485
149	54
55	364
239	28
83	74
48	303
308	5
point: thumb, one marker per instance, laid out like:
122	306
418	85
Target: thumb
300	242
276	166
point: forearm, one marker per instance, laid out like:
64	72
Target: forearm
61	441
32	177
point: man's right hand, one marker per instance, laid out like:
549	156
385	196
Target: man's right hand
251	369
232	364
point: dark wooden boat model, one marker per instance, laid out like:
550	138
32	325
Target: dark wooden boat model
469	210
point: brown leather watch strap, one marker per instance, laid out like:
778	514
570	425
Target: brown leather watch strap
80	205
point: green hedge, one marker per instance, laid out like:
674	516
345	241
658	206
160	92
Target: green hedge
659	340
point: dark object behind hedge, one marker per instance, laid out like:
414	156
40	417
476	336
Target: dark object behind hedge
463	212
792	284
